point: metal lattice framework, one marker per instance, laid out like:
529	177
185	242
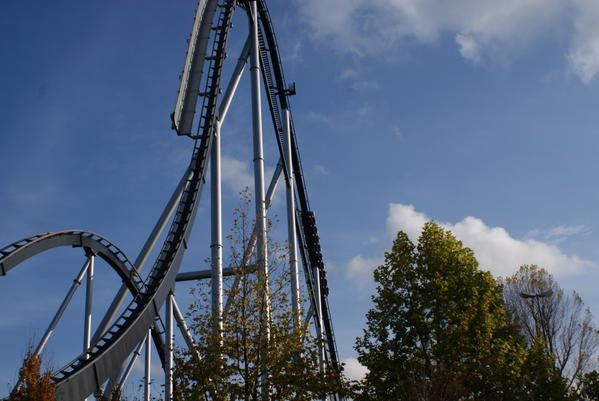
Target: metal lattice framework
109	354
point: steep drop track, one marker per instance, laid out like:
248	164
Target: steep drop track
87	374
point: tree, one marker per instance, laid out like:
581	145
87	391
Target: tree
540	379
560	321
439	329
34	385
255	353
589	389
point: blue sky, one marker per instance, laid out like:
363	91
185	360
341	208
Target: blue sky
478	114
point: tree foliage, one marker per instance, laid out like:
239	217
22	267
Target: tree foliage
589	388
540	379
559	321
441	330
255	352
34	384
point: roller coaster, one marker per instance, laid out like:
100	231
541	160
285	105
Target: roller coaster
151	313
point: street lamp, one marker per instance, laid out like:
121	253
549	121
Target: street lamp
544	294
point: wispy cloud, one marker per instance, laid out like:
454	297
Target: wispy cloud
482	29
321	170
556	234
353	77
295	54
397	132
318	118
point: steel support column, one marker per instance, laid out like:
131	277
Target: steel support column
261	242
148	367
291	224
216	245
318	317
89	296
168	352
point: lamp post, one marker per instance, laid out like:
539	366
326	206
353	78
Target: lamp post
536	297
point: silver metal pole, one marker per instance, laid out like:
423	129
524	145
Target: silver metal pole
110	387
168	352
308	317
63	306
148	369
318	317
234	82
216	246
261	244
89	296
145	252
291	225
185	330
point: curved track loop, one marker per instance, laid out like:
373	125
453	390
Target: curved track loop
20	251
82	377
85	376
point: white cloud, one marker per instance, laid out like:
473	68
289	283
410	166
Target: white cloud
495	249
354	370
481	28
360	268
405	218
468	47
583	59
236	174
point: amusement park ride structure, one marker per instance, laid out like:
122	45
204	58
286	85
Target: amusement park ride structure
149	319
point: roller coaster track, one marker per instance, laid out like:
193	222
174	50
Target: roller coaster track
87	374
18	252
84	375
277	96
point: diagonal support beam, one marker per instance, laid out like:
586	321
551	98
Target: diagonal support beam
185	330
63	306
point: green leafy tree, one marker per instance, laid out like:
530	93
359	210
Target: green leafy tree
250	358
589	389
540	379
439	329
